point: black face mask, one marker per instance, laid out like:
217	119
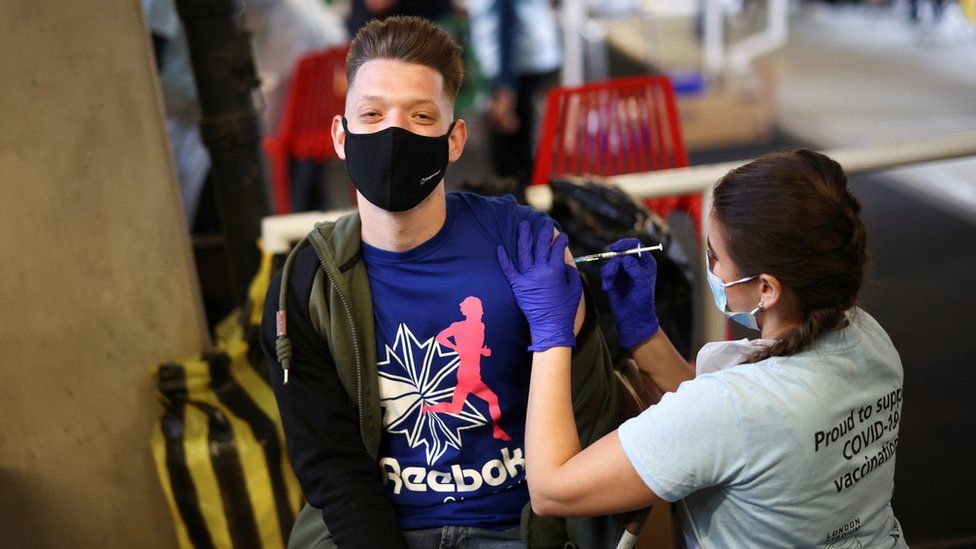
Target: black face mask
395	169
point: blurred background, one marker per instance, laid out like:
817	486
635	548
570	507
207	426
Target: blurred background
145	142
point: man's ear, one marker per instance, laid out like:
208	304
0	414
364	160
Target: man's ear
339	136
457	140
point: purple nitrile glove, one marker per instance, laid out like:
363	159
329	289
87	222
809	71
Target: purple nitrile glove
629	283
545	287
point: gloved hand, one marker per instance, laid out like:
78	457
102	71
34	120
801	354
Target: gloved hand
546	288
629	283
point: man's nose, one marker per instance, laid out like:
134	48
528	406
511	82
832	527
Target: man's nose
397	118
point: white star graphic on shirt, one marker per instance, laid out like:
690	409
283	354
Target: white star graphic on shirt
415	374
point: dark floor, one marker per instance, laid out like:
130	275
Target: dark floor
921	290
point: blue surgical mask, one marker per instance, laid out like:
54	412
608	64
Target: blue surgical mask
745	318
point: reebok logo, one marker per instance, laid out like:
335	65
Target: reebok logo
429	177
511	466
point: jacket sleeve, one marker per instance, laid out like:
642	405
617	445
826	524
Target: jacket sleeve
321	426
596	399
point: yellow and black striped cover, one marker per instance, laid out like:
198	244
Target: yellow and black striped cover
219	446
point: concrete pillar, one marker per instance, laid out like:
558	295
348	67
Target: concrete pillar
97	282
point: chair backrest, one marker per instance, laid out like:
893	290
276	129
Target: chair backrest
614	127
619	126
316	94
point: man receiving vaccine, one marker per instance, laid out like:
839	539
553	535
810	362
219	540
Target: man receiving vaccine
401	438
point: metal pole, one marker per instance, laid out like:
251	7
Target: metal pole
220	51
714	39
853	159
772	37
573	16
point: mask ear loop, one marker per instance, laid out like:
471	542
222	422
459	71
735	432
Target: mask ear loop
759	309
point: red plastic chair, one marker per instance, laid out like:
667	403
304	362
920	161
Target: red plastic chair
620	126
316	94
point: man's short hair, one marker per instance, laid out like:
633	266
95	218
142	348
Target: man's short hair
411	40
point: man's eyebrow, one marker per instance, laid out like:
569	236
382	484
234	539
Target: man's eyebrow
410	103
422	101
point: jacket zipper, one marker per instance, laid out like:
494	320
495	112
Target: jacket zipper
355	343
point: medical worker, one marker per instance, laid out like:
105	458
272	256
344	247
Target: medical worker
787	440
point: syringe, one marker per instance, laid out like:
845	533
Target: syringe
608	255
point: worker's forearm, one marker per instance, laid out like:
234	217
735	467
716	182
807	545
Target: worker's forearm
659	359
550	431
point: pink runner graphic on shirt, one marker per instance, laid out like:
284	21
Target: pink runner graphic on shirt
469	344
415	372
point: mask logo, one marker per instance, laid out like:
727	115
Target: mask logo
429	177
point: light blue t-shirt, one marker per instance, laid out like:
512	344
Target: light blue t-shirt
794	451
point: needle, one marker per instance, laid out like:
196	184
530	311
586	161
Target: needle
608	255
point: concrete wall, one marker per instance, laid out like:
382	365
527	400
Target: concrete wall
96	283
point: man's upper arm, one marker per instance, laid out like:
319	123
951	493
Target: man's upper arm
510	214
581	311
321	426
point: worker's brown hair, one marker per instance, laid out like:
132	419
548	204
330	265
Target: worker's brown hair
792	215
411	40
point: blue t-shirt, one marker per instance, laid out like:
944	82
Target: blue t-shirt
453	364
